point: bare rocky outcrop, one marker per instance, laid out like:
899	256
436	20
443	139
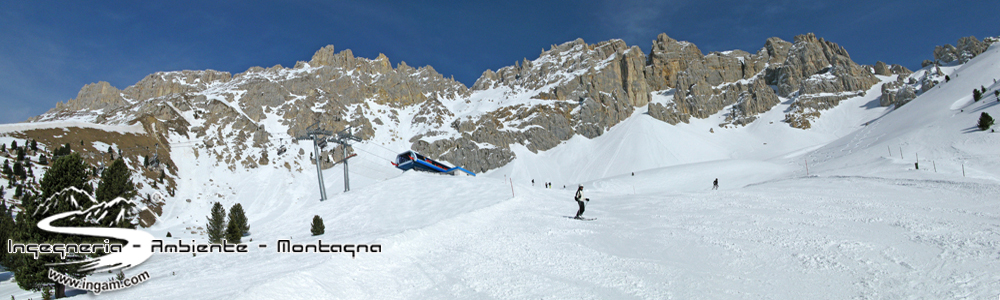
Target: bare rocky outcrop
94	96
667	57
816	73
968	47
881	68
897	93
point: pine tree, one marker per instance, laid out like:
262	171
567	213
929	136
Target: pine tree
42	160
34	145
217	224
6	168
29	273
3	147
239	218
47	293
19	170
62	151
985	121
145	161
116	181
317	226
20	154
947	78
13	145
66	171
976	95
233	235
162	175
6	227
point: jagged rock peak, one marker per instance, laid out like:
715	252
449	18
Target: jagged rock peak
95	96
559	64
666	58
968	47
327	57
882	69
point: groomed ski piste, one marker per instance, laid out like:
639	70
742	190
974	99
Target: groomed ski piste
863	223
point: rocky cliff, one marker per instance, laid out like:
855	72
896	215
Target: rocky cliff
572	88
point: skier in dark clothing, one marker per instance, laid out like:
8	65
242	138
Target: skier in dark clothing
579	200
715	184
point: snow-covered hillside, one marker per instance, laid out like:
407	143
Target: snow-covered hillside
861	224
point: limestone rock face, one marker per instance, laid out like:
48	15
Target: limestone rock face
900	70
897	93
586	89
945	54
820	74
968	47
802	70
667	57
577	70
95	96
882	69
165	83
819	66
714	82
574	88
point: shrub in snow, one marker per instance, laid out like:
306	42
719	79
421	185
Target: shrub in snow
985	121
317	226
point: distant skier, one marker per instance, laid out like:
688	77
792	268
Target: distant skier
715	184
579	200
532	182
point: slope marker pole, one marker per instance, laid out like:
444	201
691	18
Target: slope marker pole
807	166
512	188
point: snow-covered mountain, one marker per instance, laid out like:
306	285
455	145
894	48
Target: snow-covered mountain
572	89
836	209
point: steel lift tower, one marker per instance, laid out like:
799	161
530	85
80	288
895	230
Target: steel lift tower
342	138
317	136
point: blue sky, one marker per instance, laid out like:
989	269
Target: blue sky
49	50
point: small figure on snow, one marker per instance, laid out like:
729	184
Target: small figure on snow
579	200
532	182
715	184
